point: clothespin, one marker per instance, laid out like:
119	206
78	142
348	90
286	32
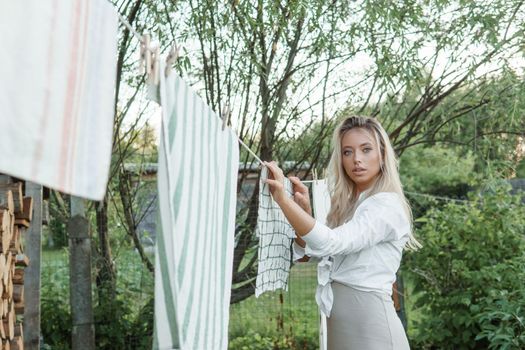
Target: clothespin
171	59
145	54
225	115
153	76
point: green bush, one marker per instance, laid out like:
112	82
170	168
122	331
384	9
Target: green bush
56	233
437	170
55	314
465	281
501	314
55	317
124	329
520	169
131	323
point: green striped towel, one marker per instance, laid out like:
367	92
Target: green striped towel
197	181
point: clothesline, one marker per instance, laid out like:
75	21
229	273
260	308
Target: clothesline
417	194
437	197
125	22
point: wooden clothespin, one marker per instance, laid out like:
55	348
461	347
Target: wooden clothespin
154	74
171	59
225	116
145	54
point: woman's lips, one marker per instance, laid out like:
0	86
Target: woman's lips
358	171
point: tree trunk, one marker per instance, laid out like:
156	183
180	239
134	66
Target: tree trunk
106	276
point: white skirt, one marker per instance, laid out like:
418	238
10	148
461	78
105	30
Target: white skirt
364	321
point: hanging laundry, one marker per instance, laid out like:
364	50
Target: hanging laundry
197	183
321	206
57	88
320	200
275	240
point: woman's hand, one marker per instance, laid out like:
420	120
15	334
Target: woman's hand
301	195
301	221
275	181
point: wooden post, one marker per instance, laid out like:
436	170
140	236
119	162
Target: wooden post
33	250
83	335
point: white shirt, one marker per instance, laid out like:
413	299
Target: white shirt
363	253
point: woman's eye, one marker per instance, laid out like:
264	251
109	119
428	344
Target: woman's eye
347	153
366	150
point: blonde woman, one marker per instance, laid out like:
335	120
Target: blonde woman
368	226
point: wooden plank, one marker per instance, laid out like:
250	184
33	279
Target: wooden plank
6	226
27	213
10	322
5	308
18	277
33	250
14	245
7	201
17	343
20	310
22	222
5	274
18	293
19	329
18	198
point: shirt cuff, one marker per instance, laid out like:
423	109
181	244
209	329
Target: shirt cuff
298	251
316	238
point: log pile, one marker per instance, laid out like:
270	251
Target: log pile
15	218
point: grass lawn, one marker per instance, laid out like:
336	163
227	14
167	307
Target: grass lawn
296	316
298	311
291	314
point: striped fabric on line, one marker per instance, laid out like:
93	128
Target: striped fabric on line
320	200
321	206
197	182
57	93
275	241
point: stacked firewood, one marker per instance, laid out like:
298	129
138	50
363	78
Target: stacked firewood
15	218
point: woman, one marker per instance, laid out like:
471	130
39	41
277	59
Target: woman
368	225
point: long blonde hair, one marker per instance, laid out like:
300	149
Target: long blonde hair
344	195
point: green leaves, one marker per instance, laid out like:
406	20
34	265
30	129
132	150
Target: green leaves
436	169
468	277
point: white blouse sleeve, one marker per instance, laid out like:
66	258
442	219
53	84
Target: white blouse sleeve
298	251
379	218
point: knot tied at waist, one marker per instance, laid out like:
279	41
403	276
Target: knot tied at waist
324	295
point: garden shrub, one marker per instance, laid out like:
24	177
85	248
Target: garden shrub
467	281
55	314
501	314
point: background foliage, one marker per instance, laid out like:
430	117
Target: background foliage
444	77
468	278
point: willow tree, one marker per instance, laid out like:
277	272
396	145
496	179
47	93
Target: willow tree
290	68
